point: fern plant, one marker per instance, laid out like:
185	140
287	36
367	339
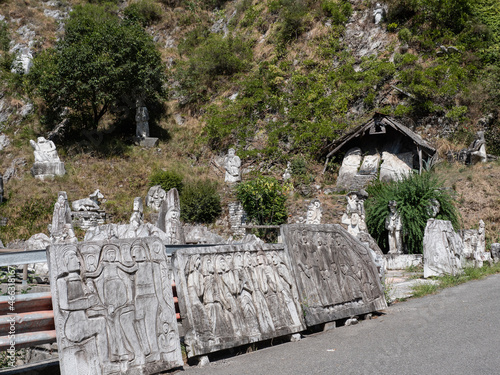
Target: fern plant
413	195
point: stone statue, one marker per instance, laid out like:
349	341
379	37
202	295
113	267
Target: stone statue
137	217
141	119
156	195
394	225
232	164
44	150
169	218
1	188
335	274
474	252
378	13
113	307
433	208
47	163
88	204
287	175
477	150
354	217
61	230
314	212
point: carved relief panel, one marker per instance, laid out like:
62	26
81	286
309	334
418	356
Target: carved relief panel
231	295
336	276
113	307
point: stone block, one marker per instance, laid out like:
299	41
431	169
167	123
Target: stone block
495	252
47	170
335	273
113	307
148	142
443	249
403	261
232	295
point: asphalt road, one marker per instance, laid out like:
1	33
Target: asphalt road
454	332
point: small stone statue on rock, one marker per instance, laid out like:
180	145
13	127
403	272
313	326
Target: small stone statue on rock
394	225
314	212
477	150
61	230
287	175
232	164
44	150
156	195
137	217
141	120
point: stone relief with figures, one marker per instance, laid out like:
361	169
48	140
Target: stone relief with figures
336	275
113	307
231	295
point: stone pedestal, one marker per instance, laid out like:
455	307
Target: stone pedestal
88	219
47	170
148	142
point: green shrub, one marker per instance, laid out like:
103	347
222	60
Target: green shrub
144	12
200	202
264	200
338	11
167	179
404	35
413	195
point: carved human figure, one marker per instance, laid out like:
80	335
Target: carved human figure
261	288
433	208
284	285
62	227
232	164
287	174
477	149
196	289
115	288
137	217
211	298
1	188
156	195
378	13
228	287
169	218
394	225
146	302
314	212
44	150
74	301
242	265
141	119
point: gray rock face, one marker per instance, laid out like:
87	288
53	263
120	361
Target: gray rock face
335	274
196	234
495	252
4	141
124	231
349	168
232	295
443	249
113	307
393	167
1	188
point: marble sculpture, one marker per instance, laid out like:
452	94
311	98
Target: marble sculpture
113	307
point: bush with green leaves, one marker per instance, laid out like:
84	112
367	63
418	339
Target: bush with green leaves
200	202
264	200
413	195
144	12
167	180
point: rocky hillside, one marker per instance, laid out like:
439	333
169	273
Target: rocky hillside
278	80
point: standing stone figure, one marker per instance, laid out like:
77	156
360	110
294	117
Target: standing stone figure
1	188
141	120
314	212
232	163
156	195
137	217
394	225
61	230
169	218
354	217
287	175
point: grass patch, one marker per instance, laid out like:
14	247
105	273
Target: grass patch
447	281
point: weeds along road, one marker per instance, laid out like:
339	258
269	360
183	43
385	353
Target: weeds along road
454	332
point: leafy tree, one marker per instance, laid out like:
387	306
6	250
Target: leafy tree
413	195
102	65
200	202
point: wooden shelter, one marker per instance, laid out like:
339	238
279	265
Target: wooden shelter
383	133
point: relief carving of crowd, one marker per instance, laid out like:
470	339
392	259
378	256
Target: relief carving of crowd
239	295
